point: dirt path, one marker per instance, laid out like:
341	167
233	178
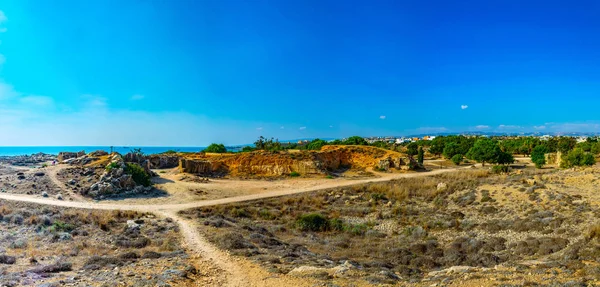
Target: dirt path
238	271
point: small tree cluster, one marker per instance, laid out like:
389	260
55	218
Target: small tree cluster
216	148
488	151
577	157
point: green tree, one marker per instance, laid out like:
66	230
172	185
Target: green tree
412	148
216	148
577	157
355	140
585	146
595	148
538	156
451	150
316	144
565	144
488	151
247	149
268	144
457	159
421	155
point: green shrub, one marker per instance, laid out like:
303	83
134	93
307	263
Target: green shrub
62	227
312	222
239	212
336	224
329	177
294	174
378	196
112	166
138	174
266	214
457	159
500	169
170	152
577	157
216	148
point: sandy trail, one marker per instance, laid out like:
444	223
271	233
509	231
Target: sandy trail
228	270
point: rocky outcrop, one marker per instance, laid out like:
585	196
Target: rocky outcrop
62	156
99	153
25	160
160	161
202	167
141	160
115	181
266	164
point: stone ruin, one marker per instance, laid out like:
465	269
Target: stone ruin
554	158
399	163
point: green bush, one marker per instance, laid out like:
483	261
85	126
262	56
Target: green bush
62	227
500	169
337	224
457	159
294	174
112	166
138	174
577	157
316	144
312	222
239	212
355	140
266	214
216	148
170	152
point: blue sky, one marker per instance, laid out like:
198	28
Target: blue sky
194	72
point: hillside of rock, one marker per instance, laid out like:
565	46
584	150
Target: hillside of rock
272	164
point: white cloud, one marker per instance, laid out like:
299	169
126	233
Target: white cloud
539	127
482	127
302	128
464	107
259	129
137	97
382	117
36	100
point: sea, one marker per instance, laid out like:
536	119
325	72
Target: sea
29	150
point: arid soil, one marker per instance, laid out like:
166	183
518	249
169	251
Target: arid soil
73	247
460	229
465	227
